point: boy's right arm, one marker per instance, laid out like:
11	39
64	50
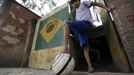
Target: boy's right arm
102	6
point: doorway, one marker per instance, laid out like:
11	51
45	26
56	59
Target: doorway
106	53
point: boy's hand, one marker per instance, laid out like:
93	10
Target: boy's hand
111	9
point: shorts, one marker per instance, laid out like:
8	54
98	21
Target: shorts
80	29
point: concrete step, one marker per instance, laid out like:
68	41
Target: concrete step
28	71
100	73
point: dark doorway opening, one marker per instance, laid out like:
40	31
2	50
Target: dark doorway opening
99	53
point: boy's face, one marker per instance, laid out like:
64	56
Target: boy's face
76	3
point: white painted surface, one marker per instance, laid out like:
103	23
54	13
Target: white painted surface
9	28
12	29
10	40
21	20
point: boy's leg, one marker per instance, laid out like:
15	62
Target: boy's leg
65	37
71	25
85	46
76	27
87	57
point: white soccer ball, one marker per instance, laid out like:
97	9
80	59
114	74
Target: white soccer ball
63	64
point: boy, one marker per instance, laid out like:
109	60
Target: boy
81	25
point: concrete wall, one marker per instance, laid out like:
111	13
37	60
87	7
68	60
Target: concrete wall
117	51
124	21
14	30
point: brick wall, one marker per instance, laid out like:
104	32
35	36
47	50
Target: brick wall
13	35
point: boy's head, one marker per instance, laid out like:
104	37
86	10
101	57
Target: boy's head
76	3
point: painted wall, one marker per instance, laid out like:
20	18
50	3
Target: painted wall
13	34
124	20
48	39
117	51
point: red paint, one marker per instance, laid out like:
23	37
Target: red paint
130	18
2	34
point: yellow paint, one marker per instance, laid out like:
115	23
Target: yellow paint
50	28
43	58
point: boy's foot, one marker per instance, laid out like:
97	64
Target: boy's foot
90	70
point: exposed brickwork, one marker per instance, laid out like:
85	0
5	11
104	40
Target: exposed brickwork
13	35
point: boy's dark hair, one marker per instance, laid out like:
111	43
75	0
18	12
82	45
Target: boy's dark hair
72	1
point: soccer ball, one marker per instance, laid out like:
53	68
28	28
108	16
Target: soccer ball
63	64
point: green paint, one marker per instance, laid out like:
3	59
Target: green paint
58	38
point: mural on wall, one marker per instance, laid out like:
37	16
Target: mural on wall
50	29
48	39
